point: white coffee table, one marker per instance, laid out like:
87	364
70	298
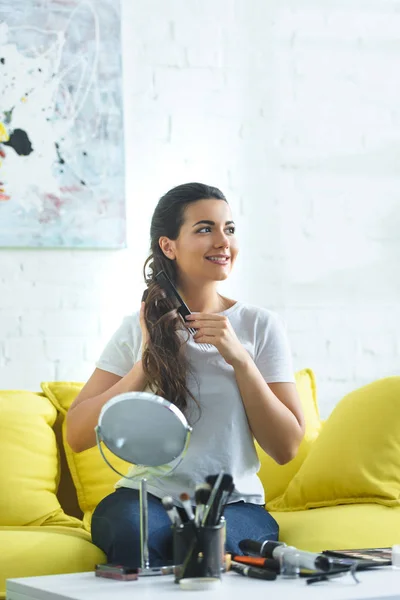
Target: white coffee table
375	585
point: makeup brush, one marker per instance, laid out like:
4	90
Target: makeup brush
220	498
185	499
226	494
253	572
211	479
253	561
212	497
173	514
202	495
222	483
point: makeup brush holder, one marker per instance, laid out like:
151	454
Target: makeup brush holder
199	552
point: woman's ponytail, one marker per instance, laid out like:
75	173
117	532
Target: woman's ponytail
164	361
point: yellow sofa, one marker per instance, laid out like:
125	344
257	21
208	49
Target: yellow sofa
342	490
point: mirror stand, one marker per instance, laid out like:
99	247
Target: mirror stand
145	568
115	430
144	526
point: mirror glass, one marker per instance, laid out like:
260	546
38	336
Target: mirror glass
143	428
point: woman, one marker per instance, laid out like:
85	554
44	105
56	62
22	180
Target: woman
242	387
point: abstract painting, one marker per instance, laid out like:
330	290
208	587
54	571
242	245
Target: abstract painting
61	124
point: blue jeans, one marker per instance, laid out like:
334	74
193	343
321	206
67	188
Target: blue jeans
116	527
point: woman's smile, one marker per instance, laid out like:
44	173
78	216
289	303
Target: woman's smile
218	260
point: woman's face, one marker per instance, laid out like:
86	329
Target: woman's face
199	240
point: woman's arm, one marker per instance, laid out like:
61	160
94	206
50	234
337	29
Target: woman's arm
273	410
84	412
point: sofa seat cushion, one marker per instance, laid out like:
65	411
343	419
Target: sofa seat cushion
33	551
339	527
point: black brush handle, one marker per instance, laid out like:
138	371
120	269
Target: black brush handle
264	549
253	572
261	574
250	547
165	282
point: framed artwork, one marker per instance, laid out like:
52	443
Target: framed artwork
61	124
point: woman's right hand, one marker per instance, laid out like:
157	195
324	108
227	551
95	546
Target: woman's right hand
143	327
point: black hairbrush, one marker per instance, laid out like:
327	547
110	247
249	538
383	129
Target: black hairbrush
164	281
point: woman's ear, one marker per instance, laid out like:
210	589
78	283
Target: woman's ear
167	246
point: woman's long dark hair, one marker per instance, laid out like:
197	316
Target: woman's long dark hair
164	363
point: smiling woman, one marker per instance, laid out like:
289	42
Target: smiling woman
224	392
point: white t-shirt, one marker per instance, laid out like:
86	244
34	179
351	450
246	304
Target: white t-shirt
221	439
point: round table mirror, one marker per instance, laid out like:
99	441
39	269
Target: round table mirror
143	429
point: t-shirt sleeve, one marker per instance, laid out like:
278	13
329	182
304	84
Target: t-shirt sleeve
122	351
273	354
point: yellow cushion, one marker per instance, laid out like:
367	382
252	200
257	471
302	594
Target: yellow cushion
356	458
275	478
337	527
35	551
92	477
29	465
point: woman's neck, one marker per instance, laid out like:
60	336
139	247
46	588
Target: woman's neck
205	304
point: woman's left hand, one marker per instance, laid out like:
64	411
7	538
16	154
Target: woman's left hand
216	330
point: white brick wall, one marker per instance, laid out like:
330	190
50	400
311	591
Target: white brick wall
292	109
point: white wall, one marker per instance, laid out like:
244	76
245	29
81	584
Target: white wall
292	109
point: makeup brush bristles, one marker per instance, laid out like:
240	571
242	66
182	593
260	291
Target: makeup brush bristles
168	504
210	499
185	499
202	495
213	512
